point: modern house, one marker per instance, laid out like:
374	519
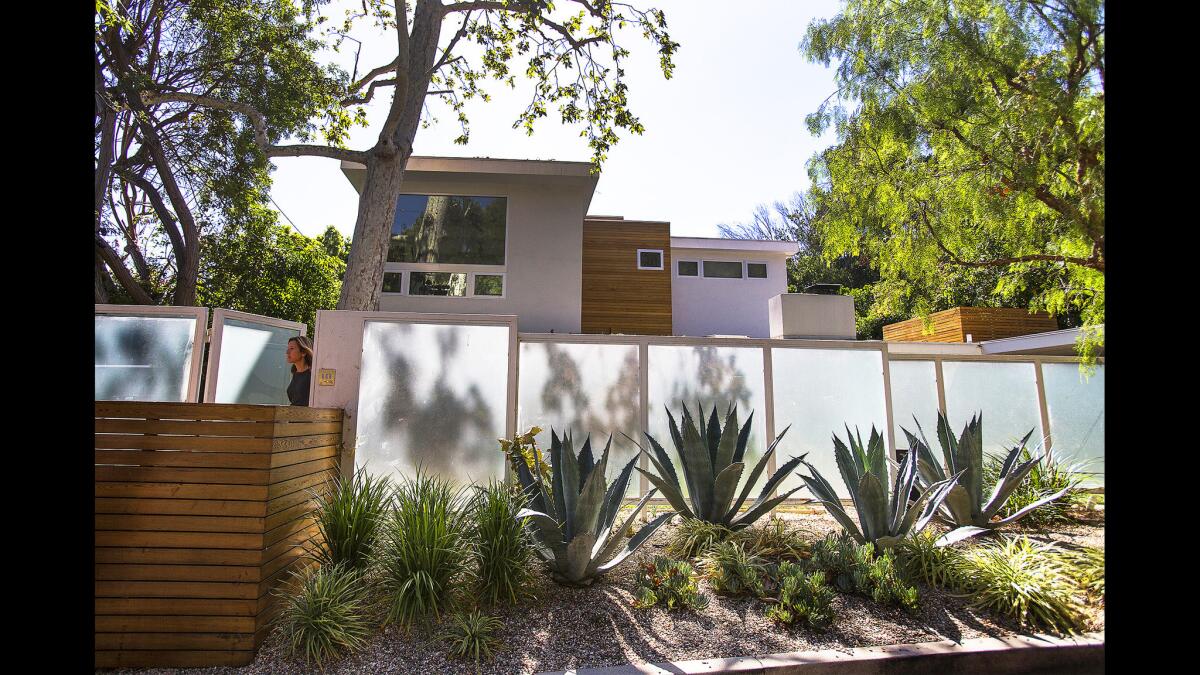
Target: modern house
502	236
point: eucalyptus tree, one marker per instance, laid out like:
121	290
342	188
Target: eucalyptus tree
168	170
970	136
570	51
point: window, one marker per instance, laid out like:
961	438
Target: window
392	281
437	283
449	230
756	270
650	259
489	285
689	268
723	269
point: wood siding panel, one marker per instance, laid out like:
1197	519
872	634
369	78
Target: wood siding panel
617	296
981	323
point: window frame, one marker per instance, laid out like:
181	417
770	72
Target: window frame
687	276
766	269
741	263
503	285
662	259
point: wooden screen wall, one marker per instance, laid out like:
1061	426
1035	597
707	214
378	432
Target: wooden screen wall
617	296
981	323
200	509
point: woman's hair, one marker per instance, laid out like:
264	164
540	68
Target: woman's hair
305	347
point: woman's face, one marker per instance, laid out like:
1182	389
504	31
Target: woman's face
294	355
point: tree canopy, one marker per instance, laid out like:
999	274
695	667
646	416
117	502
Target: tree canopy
970	147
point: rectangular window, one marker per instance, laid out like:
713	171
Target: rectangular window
722	269
689	268
756	270
491	285
650	259
449	230
391	282
437	283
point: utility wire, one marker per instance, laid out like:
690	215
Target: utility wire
285	216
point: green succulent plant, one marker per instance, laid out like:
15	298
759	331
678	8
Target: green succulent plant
965	507
885	521
572	518
712	461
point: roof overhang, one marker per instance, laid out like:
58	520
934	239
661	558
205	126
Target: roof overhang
464	169
1052	343
786	248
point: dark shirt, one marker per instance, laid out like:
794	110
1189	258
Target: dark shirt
297	391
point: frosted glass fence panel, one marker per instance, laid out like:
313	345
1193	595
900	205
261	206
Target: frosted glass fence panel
1076	407
587	388
252	367
433	396
914	392
1005	392
818	392
144	358
681	375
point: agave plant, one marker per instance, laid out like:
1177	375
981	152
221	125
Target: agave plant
864	471
964	506
713	462
573	517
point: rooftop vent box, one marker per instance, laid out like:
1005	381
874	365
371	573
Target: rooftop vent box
812	316
823	289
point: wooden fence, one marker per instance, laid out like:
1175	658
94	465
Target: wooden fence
981	323
200	509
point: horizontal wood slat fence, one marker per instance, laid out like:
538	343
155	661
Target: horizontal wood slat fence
981	323
200	511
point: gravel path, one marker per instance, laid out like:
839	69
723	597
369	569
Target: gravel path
564	628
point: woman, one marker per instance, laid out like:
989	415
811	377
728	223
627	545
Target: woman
300	355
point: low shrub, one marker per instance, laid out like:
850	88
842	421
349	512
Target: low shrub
803	598
694	536
774	540
920	558
348	515
732	570
1085	564
426	551
1047	477
472	635
503	549
324	612
673	583
854	568
1026	581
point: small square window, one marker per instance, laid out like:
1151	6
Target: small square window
489	285
723	269
756	270
689	268
650	259
391	282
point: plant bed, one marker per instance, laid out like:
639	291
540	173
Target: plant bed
565	627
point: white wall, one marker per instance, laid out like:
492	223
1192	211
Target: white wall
543	271
706	306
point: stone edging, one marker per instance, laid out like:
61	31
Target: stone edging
1014	654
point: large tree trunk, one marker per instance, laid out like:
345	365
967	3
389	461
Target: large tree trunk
372	233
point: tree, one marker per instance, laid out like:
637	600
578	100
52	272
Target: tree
574	61
974	148
265	268
167	171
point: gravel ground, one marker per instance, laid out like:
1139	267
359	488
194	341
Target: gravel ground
563	628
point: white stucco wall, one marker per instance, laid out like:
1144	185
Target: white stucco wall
544	249
707	306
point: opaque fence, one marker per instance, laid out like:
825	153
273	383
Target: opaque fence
201	511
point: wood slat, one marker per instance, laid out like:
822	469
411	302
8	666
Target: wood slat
196	444
289	528
133	641
145	658
303	496
176	589
151	474
180	490
226	573
137	521
982	323
281	459
178	556
287	487
292	413
182	607
187	411
285	473
170	623
184	458
184	507
287	515
217	429
179	540
289	542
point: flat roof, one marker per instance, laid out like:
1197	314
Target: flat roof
1055	342
723	244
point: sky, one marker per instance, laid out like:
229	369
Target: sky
723	135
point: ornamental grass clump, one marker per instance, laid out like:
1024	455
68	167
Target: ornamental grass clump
966	507
864	472
731	570
472	635
426	550
1047	478
1085	564
673	583
712	461
1027	581
348	515
572	517
693	537
502	546
803	598
921	558
774	540
324	612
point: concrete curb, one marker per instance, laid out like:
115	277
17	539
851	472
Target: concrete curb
1015	654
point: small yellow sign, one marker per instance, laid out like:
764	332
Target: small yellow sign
325	377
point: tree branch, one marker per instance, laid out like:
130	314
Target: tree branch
119	270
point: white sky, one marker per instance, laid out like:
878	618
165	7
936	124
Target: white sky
724	134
